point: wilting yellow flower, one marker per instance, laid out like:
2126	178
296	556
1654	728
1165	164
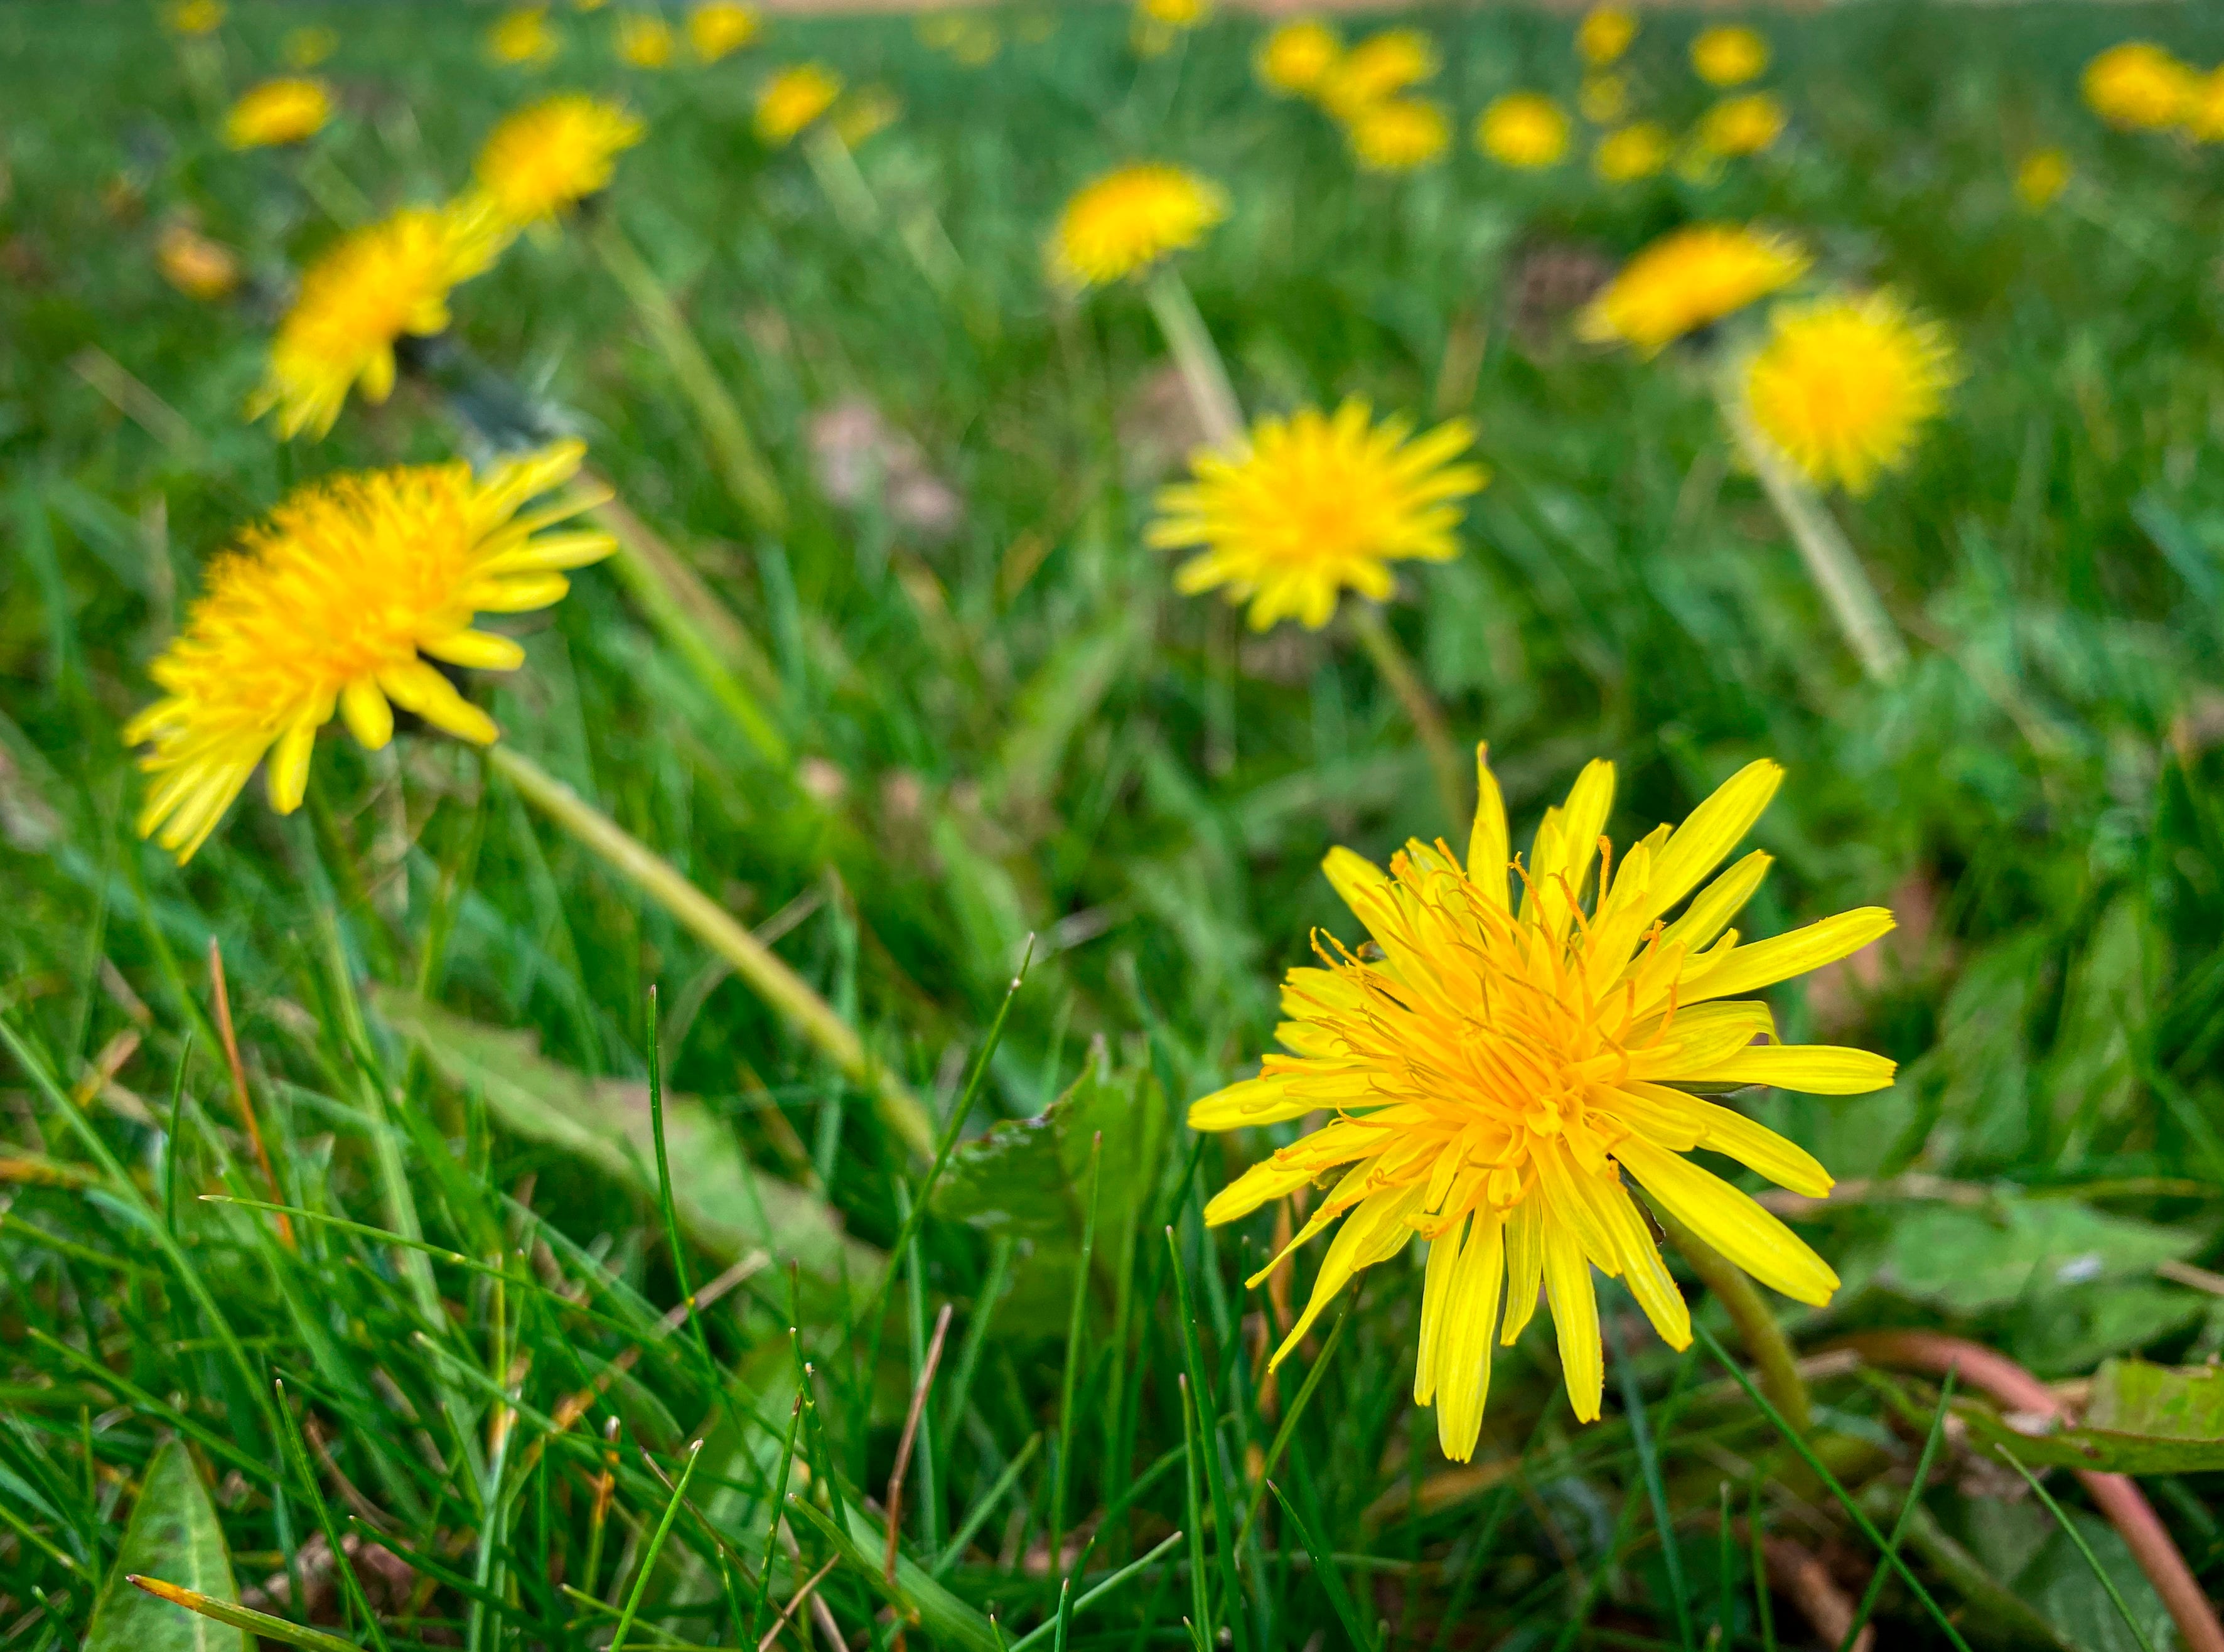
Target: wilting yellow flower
305	49
1319	505
1604	34
1844	384
1637	150
194	17
1730	56
1298	56
1603	98
2042	177
357	301
645	39
1743	125
1690	278
1399	134
1497	1067
339	603
1129	219
863	112
719	27
1380	67
2203	118
551	154
196	265
2139	86
285	110
1524	129
793	98
522	37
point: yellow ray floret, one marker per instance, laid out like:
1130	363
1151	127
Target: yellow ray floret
1728	56
2139	86
1688	278
358	300
1501	1070
284	110
1399	134
1742	125
1123	223
793	98
1524	129
718	27
338	602
550	156
1845	384
1605	35
1317	506
1382	65
1298	56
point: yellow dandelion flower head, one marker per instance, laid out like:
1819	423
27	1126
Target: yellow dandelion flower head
2041	177
1175	14
1603	98
1641	149
717	28
867	110
1844	384
1523	129
1730	56
1502	1070
1399	134
1319	504
1604	34
306	48
339	602
191	17
1688	279
284	110
2138	86
645	39
2203	118
1123	223
357	301
1382	65
1742	125
1296	57
196	265
555	152
793	98
522	37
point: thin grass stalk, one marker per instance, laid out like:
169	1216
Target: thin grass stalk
1907	1508
255	1623
1062	1471
1297	1409
297	1456
1398	669
647	1566
1208	1417
2091	1560
978	1516
753	962
772	1523
1205	375
1757	1329
1656	1489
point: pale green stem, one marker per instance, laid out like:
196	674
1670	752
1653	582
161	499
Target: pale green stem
1757	1329
1399	671
1203	374
742	466
1831	563
854	204
332	190
788	993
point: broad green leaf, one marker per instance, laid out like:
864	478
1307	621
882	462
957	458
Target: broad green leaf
173	1535
1970	1260
2130	1397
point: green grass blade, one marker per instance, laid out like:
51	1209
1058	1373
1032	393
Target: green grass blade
2069	1528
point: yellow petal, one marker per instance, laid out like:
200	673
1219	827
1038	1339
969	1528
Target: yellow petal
1263	1182
1575	1315
476	651
1713	907
417	687
1729	1222
1252	1101
1352	876
287	777
576	548
1374	1228
1763	963
1582	819
1525	1266
1759	1148
1470	1315
369	717
1642	1270
1488	849
1436	1280
1813	1069
517	593
1712	830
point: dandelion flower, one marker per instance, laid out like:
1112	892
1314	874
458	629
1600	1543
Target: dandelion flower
2041	178
1296	58
1730	56
1129	219
1639	150
1175	14
1688	279
1382	65
1743	125
1844	384
1523	129
1317	506
2138	86
1603	98
719	28
305	49
284	110
191	17
1604	34
1498	1068
865	111
357	301
339	603
645	39
550	155
793	98
1399	134
2203	118
522	38
196	265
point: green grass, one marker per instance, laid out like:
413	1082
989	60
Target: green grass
1019	728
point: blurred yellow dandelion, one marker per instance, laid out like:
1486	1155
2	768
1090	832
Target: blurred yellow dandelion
1523	129
191	17
2139	86
1496	1068
1123	223
2041	178
719	28
1399	134
550	156
1730	56
1380	67
1603	98
1639	150
358	301
793	98
1175	14
1319	504
1742	125
285	110
196	265
1604	34
339	603
1688	279
645	39
305	49
864	112
522	37
1296	57
1844	384
2203	118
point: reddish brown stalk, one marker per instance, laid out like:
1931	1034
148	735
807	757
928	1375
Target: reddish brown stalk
2117	1496
805	1594
239	1089
910	1435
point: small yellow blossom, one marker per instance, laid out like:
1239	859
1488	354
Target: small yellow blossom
305	49
2041	178
2138	86
1399	134
1688	279
867	110
280	112
196	265
645	39
547	157
1175	14
2204	119
1730	56
1641	149
717	28
1603	98
1844	384
1124	221
1298	56
522	37
1742	125
1604	34
1523	129
793	98
191	17
1382	65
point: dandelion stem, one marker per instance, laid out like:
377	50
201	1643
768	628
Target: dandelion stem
1198	358
1757	1329
1831	563
753	962
1421	708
